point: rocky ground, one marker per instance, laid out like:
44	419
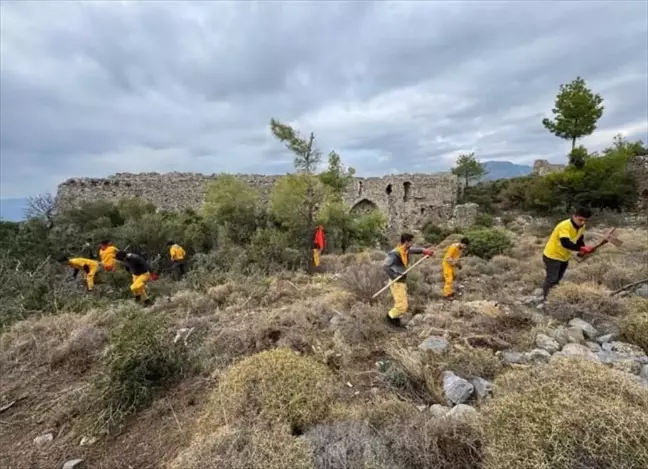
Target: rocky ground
295	371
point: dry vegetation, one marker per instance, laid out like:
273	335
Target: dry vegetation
293	372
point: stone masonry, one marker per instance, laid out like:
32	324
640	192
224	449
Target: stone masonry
407	200
543	167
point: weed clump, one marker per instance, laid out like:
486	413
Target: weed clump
474	362
569	414
277	386
363	280
487	243
141	361
570	300
634	326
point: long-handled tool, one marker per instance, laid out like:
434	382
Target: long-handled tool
608	238
399	277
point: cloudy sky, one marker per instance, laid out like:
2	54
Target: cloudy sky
90	89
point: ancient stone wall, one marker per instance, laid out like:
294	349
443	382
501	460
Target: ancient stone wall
406	199
639	168
543	167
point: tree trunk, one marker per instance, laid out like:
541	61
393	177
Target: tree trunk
573	143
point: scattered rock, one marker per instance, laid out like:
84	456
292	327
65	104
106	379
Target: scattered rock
463	412
538	355
44	439
513	358
439	410
575	335
627	349
482	387
421	408
457	390
644	372
589	330
606	338
183	334
593	346
74	464
435	344
628	365
642	291
560	335
547	343
578	350
88	441
537	292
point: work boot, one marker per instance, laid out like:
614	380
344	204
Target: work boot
394	322
137	299
148	302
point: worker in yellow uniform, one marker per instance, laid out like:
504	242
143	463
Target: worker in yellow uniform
178	262
451	262
88	266
395	266
107	254
141	272
567	237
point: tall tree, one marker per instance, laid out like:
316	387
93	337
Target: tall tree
336	178
307	156
468	168
576	111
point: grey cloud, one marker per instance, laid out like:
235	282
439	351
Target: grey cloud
95	88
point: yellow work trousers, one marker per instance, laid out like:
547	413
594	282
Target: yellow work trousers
111	267
316	257
138	287
448	277
90	275
399	292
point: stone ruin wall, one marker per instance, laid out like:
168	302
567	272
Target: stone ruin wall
543	167
407	200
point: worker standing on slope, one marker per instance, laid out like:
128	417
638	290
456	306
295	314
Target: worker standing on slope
89	267
450	263
395	265
178	262
566	237
141	272
107	254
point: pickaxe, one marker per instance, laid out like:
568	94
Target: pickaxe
608	238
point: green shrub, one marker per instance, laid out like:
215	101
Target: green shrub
484	220
434	234
569	414
141	361
487	243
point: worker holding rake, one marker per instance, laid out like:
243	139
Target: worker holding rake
396	267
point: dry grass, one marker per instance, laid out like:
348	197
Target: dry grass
569	300
246	448
634	326
412	377
473	362
363	280
568	414
276	386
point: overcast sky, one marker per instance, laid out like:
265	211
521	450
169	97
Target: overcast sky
90	89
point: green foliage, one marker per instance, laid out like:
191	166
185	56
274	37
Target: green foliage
345	229
578	156
141	362
336	178
576	111
468	168
232	205
433	233
307	156
487	243
484	220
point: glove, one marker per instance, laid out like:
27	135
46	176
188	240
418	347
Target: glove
154	276
585	250
428	252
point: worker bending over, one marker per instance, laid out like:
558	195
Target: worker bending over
395	265
567	237
89	267
178	262
107	254
450	263
141	272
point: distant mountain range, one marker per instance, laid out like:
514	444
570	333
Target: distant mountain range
12	209
505	170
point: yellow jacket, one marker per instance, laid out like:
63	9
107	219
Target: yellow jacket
452	253
107	255
177	253
570	234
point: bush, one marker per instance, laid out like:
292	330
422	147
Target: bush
634	327
587	300
476	362
141	361
434	234
484	220
246	448
277	385
363	280
569	414
487	243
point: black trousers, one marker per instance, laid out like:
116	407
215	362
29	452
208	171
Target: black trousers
555	271
179	268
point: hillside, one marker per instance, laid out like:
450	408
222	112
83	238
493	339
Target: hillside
291	370
505	170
